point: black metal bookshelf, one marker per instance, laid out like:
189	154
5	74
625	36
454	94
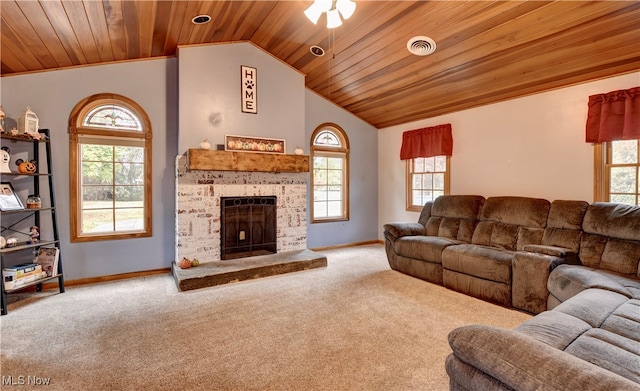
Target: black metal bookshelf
17	217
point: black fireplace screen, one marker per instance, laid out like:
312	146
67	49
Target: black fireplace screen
248	226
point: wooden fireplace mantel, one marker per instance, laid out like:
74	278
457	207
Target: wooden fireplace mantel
214	160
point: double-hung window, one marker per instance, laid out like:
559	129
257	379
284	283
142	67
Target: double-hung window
110	169
330	174
427	179
618	172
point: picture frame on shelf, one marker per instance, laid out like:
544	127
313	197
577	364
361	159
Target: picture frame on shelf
9	199
254	144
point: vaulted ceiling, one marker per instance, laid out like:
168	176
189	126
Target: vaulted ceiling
487	51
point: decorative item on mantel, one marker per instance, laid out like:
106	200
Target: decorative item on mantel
298	151
254	144
204	144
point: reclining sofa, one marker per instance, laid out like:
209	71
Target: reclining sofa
575	265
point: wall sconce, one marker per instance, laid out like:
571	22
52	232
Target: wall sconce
341	7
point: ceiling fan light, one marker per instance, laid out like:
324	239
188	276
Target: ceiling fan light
346	8
316	9
333	19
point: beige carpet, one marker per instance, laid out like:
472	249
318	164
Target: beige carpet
354	325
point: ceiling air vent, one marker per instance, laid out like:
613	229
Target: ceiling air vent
317	51
421	45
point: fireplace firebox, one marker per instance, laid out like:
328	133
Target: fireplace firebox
248	226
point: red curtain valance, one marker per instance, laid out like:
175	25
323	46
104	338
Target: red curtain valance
614	116
427	142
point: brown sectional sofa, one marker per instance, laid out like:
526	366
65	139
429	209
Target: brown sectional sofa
575	265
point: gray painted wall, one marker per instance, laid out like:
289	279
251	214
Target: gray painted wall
209	96
52	96
363	175
285	110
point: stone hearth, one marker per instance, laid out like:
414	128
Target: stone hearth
224	272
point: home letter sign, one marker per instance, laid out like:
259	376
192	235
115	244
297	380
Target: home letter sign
249	78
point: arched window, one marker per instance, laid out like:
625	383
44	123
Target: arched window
109	169
330	174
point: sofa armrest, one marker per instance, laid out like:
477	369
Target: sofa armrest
530	273
523	363
560	252
398	230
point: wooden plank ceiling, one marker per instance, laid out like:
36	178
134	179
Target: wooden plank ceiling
487	51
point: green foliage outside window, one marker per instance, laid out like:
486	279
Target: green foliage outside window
624	172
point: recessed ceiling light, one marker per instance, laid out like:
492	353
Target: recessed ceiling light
421	45
201	19
317	51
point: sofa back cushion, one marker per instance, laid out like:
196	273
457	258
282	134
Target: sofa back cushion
564	224
611	239
511	222
453	216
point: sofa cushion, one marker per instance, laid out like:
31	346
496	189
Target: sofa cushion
404	229
504	236
457	206
528	236
625	321
567	215
488	263
559	237
613	220
449	227
632	285
452	216
566	281
621	256
426	248
425	213
564	224
511	223
610	351
554	328
591	249
592	305
482	233
529	212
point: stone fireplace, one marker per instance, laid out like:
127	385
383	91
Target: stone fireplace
200	196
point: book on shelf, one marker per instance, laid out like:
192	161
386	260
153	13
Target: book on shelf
16	283
48	258
12	275
23	267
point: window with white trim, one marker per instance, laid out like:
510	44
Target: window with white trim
330	174
110	169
